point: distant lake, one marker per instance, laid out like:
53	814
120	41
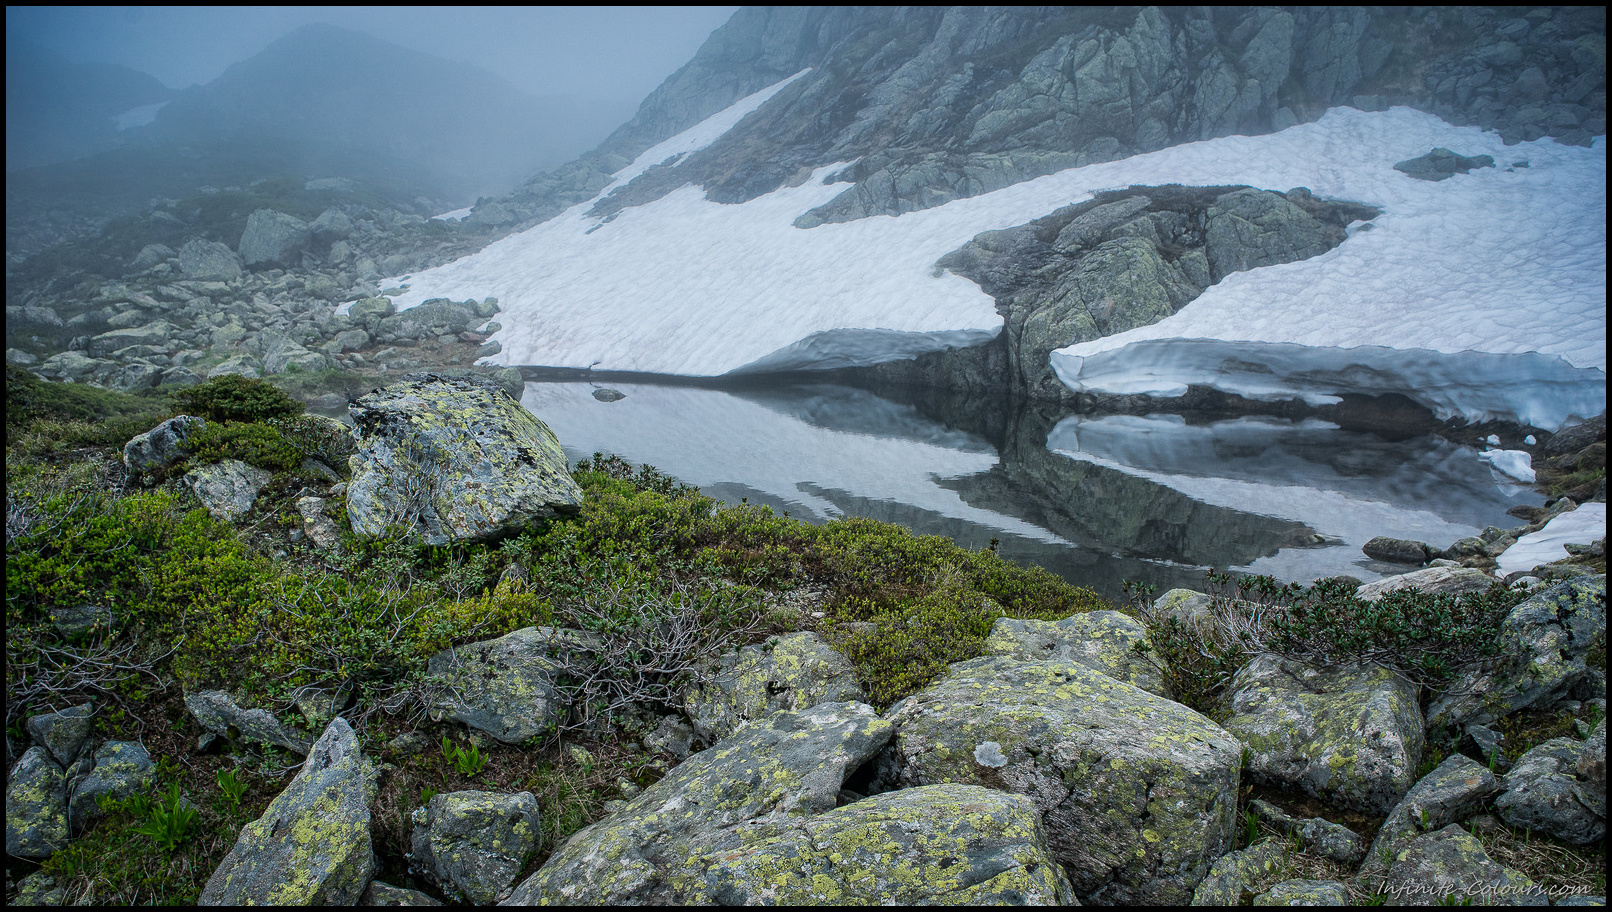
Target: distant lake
1095	499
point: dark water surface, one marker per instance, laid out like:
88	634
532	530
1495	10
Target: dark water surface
1097	500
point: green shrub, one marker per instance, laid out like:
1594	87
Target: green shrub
233	397
254	444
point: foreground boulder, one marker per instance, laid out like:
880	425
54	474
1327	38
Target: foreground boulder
472	844
1544	643
160	447
793	671
935	845
228	488
36	806
453	459
1449	865
757	785
1547	793
1452	792
1351	736
1105	641
312	846
1138	793
504	687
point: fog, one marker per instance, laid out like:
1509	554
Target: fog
106	106
608	53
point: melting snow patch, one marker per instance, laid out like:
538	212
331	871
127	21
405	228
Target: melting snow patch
1511	463
1479	265
453	216
1581	526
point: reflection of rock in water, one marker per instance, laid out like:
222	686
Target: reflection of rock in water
1096	568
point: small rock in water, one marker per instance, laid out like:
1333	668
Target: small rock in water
608	395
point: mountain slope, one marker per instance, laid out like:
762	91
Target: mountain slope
58	111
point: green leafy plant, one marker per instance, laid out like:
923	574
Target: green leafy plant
468	763
1250	828
170	820
232	787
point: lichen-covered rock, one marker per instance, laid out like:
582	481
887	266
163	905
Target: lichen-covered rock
472	844
438	316
1304	893
759	783
312	845
1322	836
1138	793
1231	874
36	806
1432	581
160	447
793	671
228	488
1452	792
243	364
216	712
1543	644
1591	769
63	733
1450	865
208	260
381	894
367	311
935	845
1249	228
455	460
505	687
1104	641
274	237
1352	736
316	524
121	769
1544	793
38	889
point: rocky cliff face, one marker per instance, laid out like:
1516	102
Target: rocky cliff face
936	104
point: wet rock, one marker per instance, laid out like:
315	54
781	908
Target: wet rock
472	844
228	489
609	395
1104	641
761	783
793	671
455	459
216	712
1137	792
1352	736
312	845
1398	550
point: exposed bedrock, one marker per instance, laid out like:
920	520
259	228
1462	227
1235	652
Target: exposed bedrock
1124	259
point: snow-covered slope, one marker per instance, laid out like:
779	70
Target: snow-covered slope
1509	261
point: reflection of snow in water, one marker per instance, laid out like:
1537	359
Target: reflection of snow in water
708	438
1349	486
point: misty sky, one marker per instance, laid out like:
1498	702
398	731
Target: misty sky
615	53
